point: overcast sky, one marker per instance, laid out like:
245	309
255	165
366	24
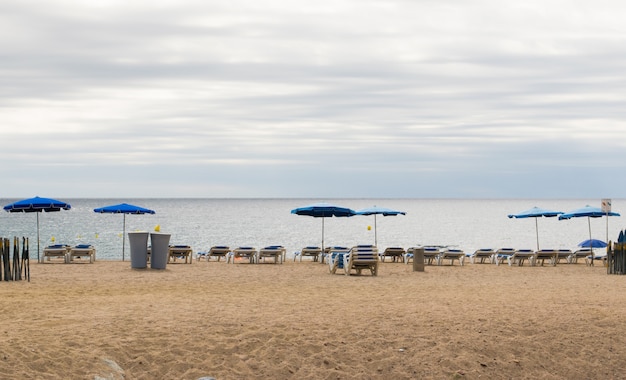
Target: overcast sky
325	98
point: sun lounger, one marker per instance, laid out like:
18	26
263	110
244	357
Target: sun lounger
503	254
57	251
563	254
520	256
360	258
218	251
277	252
601	257
395	253
482	254
430	254
408	256
200	255
180	251
335	258
450	254
82	250
578	254
314	252
335	248
546	254
249	253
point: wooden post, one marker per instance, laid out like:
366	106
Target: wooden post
418	259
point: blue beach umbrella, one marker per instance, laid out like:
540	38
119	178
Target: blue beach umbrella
589	212
375	210
536	212
37	204
123	208
592	243
323	210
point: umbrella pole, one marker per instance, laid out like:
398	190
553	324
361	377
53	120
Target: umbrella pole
607	227
375	233
537	233
322	234
590	243
37	236
123	237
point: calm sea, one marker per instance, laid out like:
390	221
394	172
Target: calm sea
202	223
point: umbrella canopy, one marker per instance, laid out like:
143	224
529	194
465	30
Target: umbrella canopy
536	212
592	243
37	204
123	208
589	212
375	210
323	210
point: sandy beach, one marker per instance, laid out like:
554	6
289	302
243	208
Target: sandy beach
297	321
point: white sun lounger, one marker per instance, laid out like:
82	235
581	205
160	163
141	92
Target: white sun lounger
80	251
481	255
503	254
522	255
563	254
57	251
314	252
395	253
360	258
451	254
249	253
580	253
546	254
277	252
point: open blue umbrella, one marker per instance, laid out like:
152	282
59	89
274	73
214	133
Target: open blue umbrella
589	212
536	212
323	210
123	208
592	243
375	210
37	204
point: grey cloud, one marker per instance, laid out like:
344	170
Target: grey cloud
443	99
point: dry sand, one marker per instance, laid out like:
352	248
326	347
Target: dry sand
297	321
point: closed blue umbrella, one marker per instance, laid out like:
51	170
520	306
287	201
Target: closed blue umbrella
536	212
375	210
323	210
123	208
589	212
37	204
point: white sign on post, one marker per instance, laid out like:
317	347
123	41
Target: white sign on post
606	206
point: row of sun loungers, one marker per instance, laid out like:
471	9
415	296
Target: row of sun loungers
68	254
277	253
73	254
541	257
441	256
395	254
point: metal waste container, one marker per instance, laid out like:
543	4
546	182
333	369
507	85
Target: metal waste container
160	250
138	249
418	259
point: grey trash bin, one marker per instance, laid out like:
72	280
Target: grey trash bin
138	249
160	250
418	259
